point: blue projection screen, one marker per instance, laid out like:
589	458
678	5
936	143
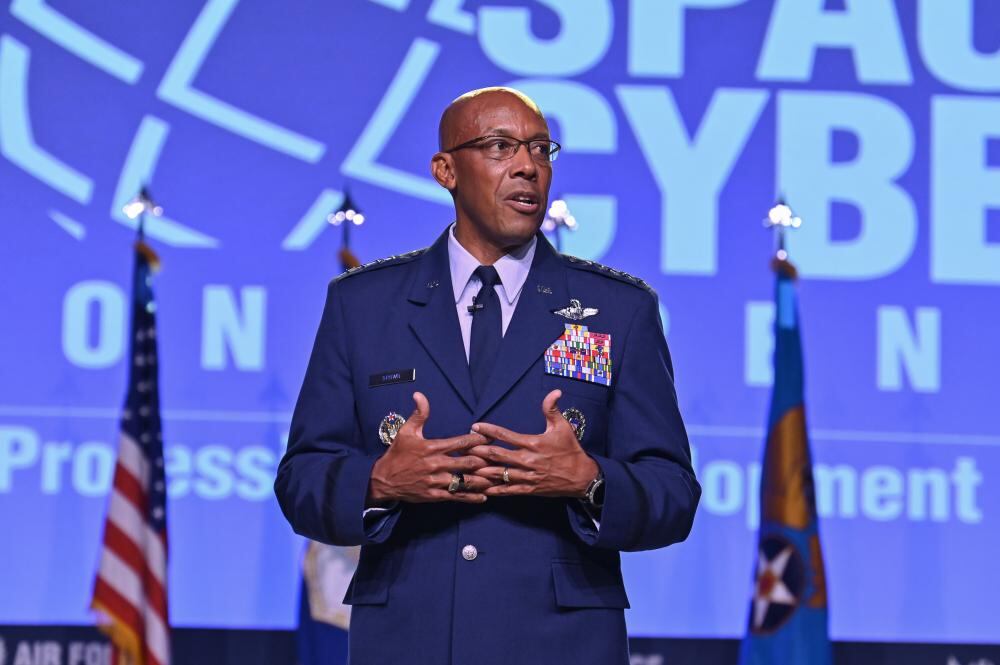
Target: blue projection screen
682	122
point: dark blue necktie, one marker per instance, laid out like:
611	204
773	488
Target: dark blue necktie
487	330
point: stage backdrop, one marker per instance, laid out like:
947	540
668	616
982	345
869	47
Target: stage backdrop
681	122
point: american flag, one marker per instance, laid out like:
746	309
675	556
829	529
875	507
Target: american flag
130	590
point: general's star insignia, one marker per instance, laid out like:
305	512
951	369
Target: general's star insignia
575	311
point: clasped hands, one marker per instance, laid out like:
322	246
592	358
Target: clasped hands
419	470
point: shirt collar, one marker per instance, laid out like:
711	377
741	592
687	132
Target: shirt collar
513	267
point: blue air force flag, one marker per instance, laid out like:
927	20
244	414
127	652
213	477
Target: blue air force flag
788	612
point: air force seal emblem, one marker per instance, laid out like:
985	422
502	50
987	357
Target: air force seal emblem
389	427
576	420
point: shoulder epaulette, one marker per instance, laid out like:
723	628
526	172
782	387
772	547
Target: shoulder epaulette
381	263
600	269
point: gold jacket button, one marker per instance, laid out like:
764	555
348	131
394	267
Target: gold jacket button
469	552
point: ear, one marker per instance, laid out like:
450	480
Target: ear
443	170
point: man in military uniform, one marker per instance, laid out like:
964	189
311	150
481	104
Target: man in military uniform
544	436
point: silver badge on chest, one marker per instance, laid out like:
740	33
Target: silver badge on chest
576	420
575	311
389	427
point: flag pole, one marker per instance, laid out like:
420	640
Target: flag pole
327	569
787	621
346	216
139	208
135	616
557	218
781	218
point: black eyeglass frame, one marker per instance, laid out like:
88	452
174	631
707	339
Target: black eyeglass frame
479	142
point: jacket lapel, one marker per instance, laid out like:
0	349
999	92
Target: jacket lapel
435	320
533	327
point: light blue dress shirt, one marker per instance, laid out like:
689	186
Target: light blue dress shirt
513	270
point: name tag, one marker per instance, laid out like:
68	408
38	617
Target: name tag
392	376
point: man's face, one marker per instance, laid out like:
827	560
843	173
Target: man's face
503	201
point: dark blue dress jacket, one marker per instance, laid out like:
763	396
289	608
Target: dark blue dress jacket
546	584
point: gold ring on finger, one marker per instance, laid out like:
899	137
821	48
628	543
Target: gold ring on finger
506	476
457	483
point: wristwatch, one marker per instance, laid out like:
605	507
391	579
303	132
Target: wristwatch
595	491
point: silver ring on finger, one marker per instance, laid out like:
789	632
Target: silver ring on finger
457	483
506	476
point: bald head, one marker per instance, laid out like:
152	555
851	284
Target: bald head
461	113
500	191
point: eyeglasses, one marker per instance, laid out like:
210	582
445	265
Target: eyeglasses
505	147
